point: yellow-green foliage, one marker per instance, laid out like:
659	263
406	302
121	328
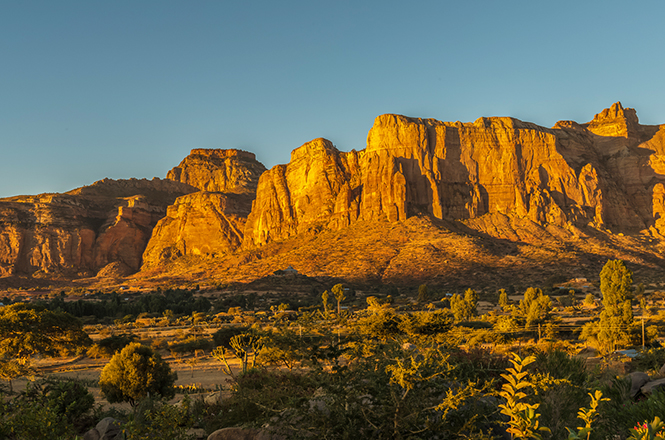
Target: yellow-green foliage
135	372
523	422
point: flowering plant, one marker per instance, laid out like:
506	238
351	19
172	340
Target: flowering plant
649	431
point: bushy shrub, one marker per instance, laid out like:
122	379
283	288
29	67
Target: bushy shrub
222	337
107	347
190	345
134	373
158	420
47	409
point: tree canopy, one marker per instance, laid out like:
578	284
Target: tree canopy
616	282
27	330
135	372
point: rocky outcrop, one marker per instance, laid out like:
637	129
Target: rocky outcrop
498	177
201	224
227	171
608	173
78	233
317	189
211	221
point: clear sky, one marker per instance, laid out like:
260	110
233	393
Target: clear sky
120	89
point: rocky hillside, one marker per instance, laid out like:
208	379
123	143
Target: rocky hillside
424	200
211	221
77	233
512	196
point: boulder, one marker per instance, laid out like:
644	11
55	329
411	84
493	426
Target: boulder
213	398
92	434
242	434
109	429
649	387
637	381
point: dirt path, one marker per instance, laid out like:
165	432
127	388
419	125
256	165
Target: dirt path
202	376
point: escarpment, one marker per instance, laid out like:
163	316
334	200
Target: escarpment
605	173
589	189
77	233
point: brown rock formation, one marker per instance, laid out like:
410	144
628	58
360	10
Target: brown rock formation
608	172
317	189
228	171
211	221
79	232
202	224
449	196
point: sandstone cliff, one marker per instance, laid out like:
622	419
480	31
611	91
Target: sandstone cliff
78	233
212	220
227	171
317	189
424	200
607	173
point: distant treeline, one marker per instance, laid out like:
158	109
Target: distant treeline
113	305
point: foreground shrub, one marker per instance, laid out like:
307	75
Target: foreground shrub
134	373
49	409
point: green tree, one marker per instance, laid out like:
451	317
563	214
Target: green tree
338	292
616	282
134	373
324	297
534	309
27	330
471	299
458	307
245	347
464	308
423	294
503	298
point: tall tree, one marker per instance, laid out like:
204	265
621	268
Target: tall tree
616	282
503	298
338	292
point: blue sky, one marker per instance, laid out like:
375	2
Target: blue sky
120	89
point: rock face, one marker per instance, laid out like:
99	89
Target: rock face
495	177
202	223
609	173
82	231
227	171
211	221
317	189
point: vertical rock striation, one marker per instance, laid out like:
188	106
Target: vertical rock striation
211	221
608	173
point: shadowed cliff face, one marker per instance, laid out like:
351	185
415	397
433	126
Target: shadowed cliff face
78	233
212	221
608	173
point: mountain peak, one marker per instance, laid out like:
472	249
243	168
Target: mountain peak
615	121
